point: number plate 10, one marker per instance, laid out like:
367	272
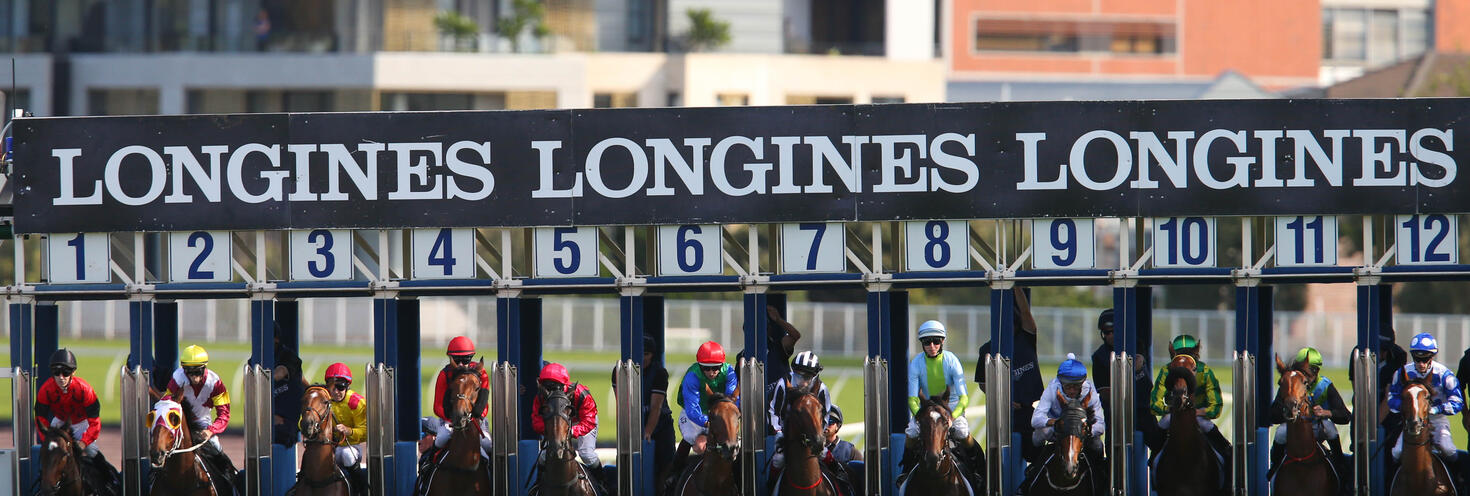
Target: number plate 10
1184	242
1432	239
1063	244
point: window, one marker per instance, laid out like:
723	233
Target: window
1120	37
614	100
732	99
122	102
1374	36
441	101
20	99
887	99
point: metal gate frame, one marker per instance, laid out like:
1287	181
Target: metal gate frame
998	422
1120	429
1366	430
24	434
258	415
382	417
876	422
505	427
631	465
752	393
136	402
1243	364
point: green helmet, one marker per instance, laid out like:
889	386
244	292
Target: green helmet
1311	356
1184	341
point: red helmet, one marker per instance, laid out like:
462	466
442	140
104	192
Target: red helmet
710	354
555	372
339	370
461	346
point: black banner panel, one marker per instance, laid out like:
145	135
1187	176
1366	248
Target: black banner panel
737	165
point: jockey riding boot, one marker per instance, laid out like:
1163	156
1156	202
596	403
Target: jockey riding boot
912	450
974	456
1219	443
676	468
1278	453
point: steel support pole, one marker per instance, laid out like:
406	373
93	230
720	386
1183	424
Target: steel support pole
888	331
518	341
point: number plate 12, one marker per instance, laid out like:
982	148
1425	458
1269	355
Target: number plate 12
1432	239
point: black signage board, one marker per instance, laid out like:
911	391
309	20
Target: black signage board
740	165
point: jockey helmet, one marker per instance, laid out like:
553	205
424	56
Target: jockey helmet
806	361
1105	321
555	372
1071	371
710	354
834	416
194	356
1310	356
338	370
932	328
63	358
460	346
1424	342
1184	342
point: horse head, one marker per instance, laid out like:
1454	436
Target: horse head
1292	393
557	411
1180	381
1073	430
724	427
59	459
167	424
464	396
317	420
802	422
1415	411
934	419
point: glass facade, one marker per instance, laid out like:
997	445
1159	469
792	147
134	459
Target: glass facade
1374	36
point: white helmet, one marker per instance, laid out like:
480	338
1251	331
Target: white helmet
932	328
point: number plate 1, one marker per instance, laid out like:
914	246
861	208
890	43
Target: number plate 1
691	250
1063	244
1306	241
1184	242
443	253
566	252
200	256
321	255
937	245
1432	239
78	258
813	247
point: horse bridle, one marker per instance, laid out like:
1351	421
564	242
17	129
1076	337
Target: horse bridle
1292	407
726	450
466	418
808	440
562	449
1416	427
178	438
330	418
65	477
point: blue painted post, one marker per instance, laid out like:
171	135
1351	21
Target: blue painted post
1003	343
141	354
1375	321
21	356
1253	333
756	334
165	341
44	332
1133	325
283	457
396	344
518	341
888	332
259	472
639	316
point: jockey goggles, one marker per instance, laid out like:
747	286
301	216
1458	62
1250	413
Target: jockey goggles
463	359
931	340
341	384
1422	356
62	371
194	370
710	368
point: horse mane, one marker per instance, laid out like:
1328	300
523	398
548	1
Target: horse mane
1177	372
189	418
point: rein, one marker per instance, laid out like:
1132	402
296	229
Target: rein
1300	459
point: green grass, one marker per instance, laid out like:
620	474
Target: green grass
98	359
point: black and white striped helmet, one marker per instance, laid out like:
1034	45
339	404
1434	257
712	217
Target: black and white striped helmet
806	361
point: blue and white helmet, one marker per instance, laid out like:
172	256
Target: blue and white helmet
1424	342
932	328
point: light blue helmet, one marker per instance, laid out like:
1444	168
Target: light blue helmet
932	328
1424	342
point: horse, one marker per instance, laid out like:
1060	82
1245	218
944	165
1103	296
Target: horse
803	442
1069	471
61	467
1306	469
319	475
178	471
939	473
714	473
561	472
1186	465
460	471
1420	472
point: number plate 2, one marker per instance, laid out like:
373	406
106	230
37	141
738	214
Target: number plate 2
200	256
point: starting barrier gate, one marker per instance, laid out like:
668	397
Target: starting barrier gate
426	224
633	472
24	463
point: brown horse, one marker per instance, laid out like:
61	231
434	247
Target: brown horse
177	469
803	443
460	471
714	473
938	473
61	470
1306	469
319	475
1186	465
1420	472
1068	471
561	472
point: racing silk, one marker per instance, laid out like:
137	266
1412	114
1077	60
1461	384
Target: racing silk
695	390
585	416
924	372
841	451
208	402
1050	406
1444	388
1206	391
442	383
78	404
778	402
1318	396
352	412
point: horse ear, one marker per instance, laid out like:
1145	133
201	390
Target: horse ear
1280	367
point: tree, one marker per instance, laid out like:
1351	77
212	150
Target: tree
706	32
456	25
524	13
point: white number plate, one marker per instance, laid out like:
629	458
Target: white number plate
200	256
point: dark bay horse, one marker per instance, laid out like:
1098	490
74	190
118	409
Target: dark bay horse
715	472
1420	472
460	471
61	467
1186	465
1306	469
938	473
177	469
319	475
804	474
1069	471
561	472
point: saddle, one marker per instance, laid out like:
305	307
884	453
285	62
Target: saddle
429	466
533	482
1448	470
962	463
356	480
99	477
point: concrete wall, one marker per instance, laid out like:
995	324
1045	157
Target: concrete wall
770	80
32	74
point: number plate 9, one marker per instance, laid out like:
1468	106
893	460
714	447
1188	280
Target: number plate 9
1063	244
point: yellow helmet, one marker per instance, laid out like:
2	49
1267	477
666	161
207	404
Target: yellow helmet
194	356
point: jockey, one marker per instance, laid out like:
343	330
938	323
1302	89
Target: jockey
1206	394
930	374
584	432
839	450
804	370
1071	384
200	390
708	376
65	401
1444	389
1327	409
461	353
350	409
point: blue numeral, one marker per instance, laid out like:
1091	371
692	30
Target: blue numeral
201	238
1180	242
936	250
328	262
685	244
81	256
442	254
574	254
1431	253
1066	244
811	256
